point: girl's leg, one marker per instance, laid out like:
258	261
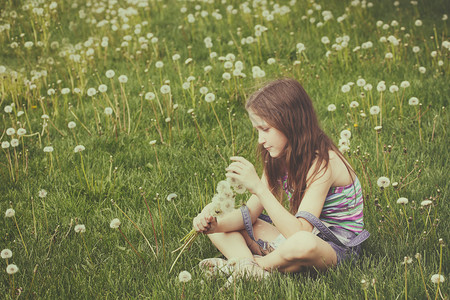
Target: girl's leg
300	251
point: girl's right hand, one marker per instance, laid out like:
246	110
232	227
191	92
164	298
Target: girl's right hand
204	222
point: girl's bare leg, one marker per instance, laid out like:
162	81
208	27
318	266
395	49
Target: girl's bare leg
300	251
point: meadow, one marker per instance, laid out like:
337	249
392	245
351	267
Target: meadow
118	119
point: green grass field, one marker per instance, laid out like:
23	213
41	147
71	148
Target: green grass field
148	131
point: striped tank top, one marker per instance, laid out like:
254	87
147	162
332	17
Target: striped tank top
343	206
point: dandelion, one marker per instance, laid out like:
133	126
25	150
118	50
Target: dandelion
91	92
102	88
393	88
71	125
203	90
171	196
150	96
368	87
10	131
165	89
12	269
14	142
413	101
404	84
325	40
79	148
80	228
374	110
331	107
108	111
65	91
42	193
354	104
210	97
123	79
402	200
422	70
9	213
418	23
378	128
360	82
381	87
436	278
346	134
383	182
184	276
115	223
426	203
6	253
110	74
176	57
8	109
21	131
345	88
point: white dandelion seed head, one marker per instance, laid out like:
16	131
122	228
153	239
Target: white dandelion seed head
150	96
416	49
360	82
344	148
48	149
184	276
152	142
8	109
12	269
436	278
165	89
80	228
14	142
354	104
176	57
79	148
404	84
51	92
381	87
72	124
42	193
402	200
345	88
108	111
227	206
346	134
343	142
110	74
203	90
186	85
10	131
433	53
426	203
6	253
171	196
422	70
226	76
21	131
167	120
271	61
418	23
65	91
325	40
374	110
20	112
383	182
5	145
102	88
91	92
389	55
413	101
228	65
115	223
123	79
210	97
331	107
393	88
440	63
378	128
444	17
300	47
223	186
190	110
159	64
9	213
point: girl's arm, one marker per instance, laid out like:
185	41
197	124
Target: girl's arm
285	222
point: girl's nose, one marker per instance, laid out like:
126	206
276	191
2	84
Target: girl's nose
261	139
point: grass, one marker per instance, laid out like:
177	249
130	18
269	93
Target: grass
191	152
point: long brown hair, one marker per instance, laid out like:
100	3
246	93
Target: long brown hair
286	106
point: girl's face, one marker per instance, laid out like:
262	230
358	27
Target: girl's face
273	140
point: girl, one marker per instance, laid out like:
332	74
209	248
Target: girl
324	224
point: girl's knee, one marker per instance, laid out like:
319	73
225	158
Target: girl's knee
300	246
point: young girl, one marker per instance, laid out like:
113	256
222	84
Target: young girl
324	224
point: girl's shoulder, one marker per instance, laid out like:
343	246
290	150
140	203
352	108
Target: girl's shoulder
342	173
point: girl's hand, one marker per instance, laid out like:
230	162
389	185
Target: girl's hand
244	172
204	222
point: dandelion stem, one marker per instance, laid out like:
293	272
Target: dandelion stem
153	225
87	250
423	278
162	229
440	269
406	281
32	281
134	249
220	124
20	233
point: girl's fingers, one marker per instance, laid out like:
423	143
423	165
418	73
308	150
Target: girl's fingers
240	159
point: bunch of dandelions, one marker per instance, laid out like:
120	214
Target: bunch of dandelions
222	203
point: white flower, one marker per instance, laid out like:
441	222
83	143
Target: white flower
433	53
413	101
65	91
360	82
389	55
210	97
165	89
368	87
184	276
381	87
378	128
203	90
123	79
10	131
14	142
416	49
6	253
346	134
325	40
50	92
72	124
115	223
167	120
344	148
426	202
271	61
8	109
150	96
110	74
80	228
402	200
102	88
176	56
186	85
187	61
345	88
48	149
91	92
79	148
108	111
393	88
300	47
5	145
383	182
354	104
331	107
159	64
152	142
171	196
42	193
422	70
375	110
21	131
9	213
12	269
404	84
418	23
436	278
226	76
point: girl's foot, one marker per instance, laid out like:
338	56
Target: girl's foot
248	267
215	265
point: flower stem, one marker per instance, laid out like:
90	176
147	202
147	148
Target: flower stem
134	249
21	237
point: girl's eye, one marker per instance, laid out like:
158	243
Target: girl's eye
265	129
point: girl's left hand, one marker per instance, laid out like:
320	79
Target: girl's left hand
244	172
